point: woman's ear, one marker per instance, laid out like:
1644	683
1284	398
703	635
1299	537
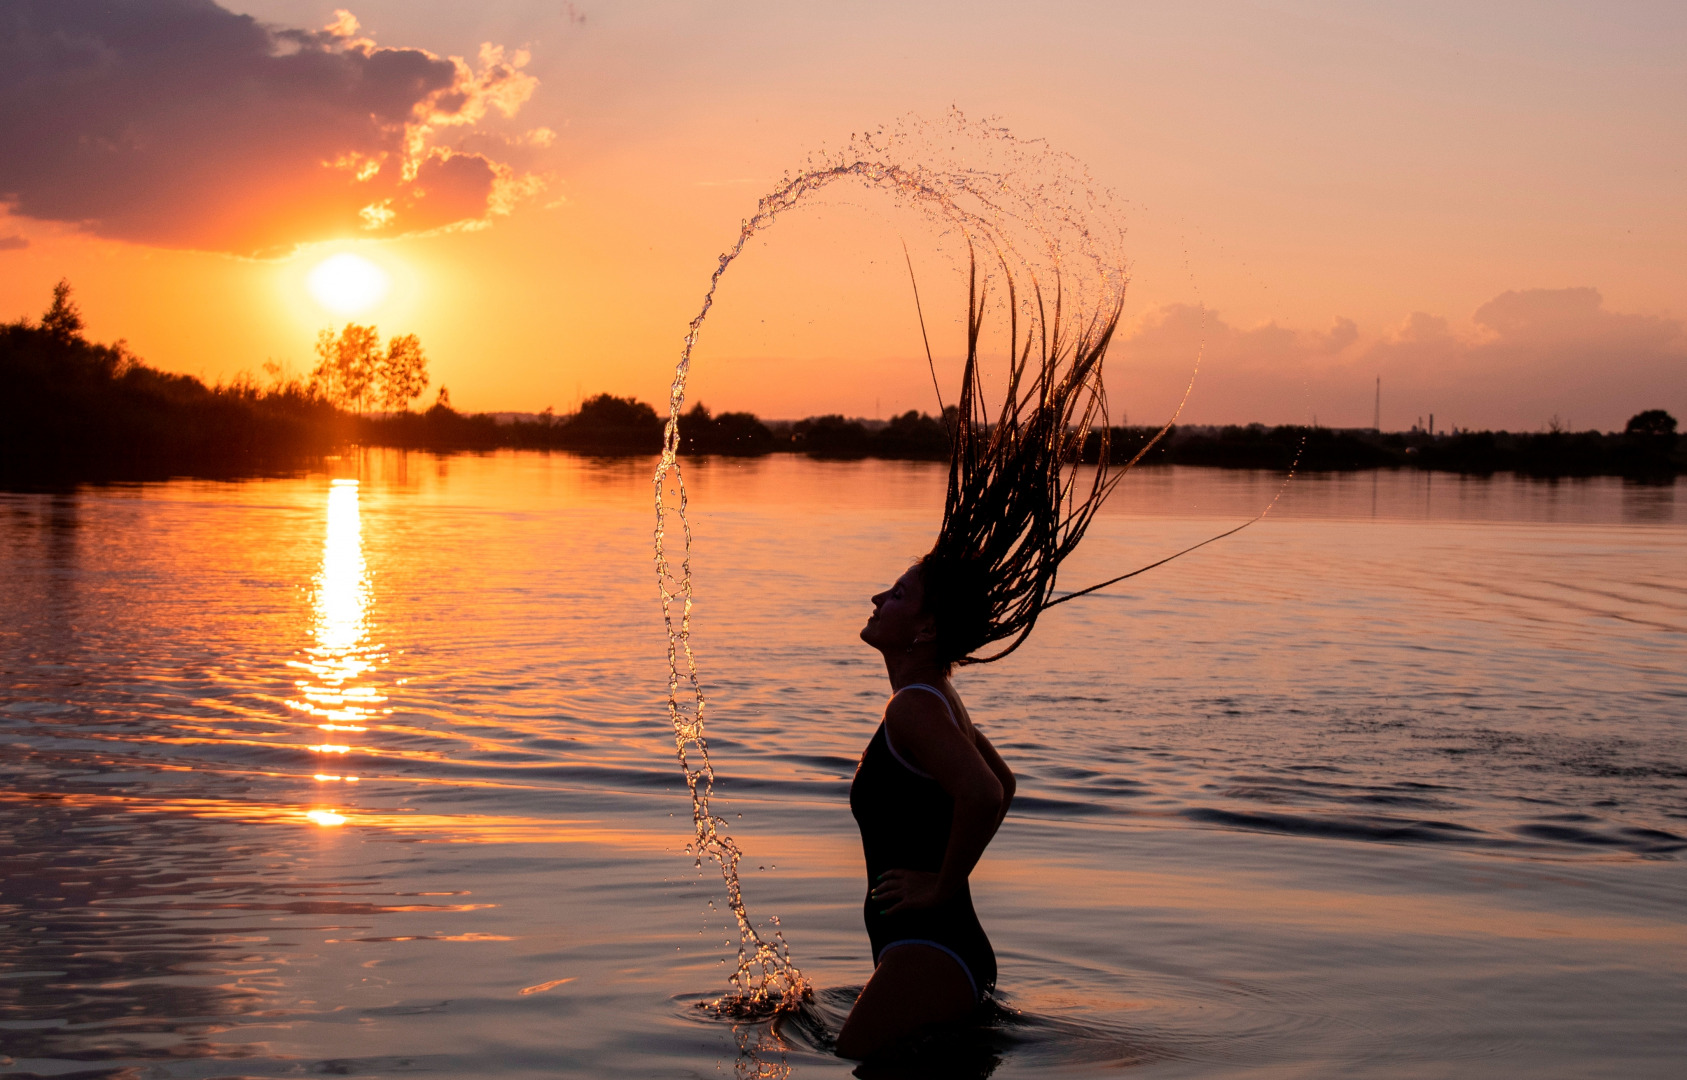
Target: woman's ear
927	631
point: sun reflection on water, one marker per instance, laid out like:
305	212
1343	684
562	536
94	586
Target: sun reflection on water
335	689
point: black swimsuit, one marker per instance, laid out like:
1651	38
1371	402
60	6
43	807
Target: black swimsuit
904	817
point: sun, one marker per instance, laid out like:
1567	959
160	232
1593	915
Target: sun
347	283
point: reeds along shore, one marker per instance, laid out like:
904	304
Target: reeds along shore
73	410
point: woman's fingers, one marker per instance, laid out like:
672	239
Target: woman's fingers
899	889
891	892
896	899
890	886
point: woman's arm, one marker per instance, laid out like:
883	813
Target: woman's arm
1004	775
923	733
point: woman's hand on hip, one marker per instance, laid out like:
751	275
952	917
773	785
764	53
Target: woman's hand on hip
907	890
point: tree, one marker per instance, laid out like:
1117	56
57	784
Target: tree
610	423
1653	423
348	365
64	319
354	372
702	432
403	373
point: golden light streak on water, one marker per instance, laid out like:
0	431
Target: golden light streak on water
422	937
326	817
542	987
334	690
342	597
427	828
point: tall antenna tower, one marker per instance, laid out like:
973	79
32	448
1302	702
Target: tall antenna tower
1376	419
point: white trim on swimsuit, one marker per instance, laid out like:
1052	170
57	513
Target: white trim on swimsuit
904	762
953	955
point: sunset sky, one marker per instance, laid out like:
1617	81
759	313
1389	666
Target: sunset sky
1483	204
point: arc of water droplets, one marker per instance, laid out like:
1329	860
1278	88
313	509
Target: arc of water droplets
1011	217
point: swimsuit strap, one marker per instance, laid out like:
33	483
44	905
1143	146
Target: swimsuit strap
904	762
941	696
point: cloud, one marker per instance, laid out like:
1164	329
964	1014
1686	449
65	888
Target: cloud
1262	373
1534	354
1525	356
13	243
178	123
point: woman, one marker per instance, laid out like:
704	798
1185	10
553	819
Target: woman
930	790
929	794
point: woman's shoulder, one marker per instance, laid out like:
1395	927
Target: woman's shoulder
923	705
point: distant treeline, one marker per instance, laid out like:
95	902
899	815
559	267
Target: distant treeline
71	409
1648	447
615	425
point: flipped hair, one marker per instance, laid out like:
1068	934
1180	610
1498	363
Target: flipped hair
1016	505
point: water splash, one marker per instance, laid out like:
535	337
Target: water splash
762	1054
1039	217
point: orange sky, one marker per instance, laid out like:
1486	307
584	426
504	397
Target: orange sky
1484	208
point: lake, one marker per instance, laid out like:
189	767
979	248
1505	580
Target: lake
368	772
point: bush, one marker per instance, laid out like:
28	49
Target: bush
731	433
609	424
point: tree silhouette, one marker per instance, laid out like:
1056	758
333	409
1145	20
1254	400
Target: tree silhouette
1653	422
347	363
354	373
64	319
403	373
614	424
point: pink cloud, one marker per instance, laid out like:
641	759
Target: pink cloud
1525	356
1263	373
1534	354
178	123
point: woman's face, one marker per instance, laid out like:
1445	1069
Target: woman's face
898	620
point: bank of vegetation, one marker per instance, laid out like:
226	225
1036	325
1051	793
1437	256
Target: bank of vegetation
72	409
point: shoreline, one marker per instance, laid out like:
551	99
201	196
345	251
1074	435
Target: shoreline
72	410
141	472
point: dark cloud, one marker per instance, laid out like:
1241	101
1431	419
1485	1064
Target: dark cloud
181	124
1525	356
13	243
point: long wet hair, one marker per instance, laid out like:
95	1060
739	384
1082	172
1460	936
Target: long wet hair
1017	501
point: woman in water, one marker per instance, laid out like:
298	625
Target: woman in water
930	790
928	796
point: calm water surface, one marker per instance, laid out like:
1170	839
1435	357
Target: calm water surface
368	773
